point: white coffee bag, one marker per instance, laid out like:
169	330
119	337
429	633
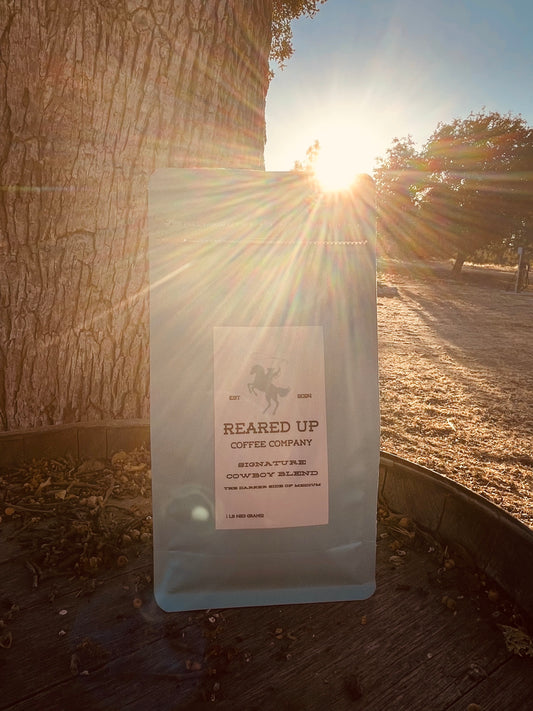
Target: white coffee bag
264	389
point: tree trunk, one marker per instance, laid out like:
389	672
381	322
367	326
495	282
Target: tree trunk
458	264
96	94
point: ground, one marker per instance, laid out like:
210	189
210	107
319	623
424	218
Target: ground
78	617
456	382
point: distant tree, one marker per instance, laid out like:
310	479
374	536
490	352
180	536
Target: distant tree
398	179
95	95
469	188
478	187
307	165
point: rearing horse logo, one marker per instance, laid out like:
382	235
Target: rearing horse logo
263	382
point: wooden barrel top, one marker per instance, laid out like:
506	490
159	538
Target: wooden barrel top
446	628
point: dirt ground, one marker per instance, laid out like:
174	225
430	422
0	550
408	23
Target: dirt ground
456	377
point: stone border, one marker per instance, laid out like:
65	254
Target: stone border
497	543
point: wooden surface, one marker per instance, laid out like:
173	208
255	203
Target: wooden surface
69	644
497	543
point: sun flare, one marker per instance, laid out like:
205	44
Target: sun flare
333	173
344	153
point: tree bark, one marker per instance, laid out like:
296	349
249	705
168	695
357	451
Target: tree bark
458	264
95	95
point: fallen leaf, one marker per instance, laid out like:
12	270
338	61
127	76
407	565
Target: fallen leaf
74	664
6	640
517	641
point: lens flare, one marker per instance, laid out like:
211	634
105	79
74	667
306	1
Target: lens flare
332	172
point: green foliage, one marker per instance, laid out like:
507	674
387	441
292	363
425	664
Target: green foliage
399	178
468	189
479	189
283	13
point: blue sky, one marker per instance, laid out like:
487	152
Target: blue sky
366	71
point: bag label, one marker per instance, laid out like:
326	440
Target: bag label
271	455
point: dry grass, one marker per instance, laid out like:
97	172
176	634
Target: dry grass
456	379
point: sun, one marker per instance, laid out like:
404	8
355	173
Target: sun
345	152
333	173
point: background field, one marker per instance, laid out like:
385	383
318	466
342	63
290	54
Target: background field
456	378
